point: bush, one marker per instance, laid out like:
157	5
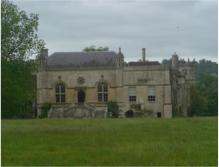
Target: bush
44	110
129	113
113	108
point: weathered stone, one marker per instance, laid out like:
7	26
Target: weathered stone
171	85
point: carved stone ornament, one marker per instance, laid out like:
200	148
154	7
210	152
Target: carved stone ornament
81	80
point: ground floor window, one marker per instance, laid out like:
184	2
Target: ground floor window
132	98
60	93
151	98
151	94
102	90
132	94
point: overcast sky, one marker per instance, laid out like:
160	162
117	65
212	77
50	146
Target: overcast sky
188	27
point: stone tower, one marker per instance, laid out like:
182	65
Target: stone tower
120	59
182	78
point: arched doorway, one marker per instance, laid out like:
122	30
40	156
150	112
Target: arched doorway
81	96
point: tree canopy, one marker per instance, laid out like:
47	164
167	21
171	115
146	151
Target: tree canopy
19	42
93	48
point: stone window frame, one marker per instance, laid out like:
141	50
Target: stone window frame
102	92
132	97
151	94
60	93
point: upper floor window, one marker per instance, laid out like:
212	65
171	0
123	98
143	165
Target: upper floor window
60	93
151	94
132	94
102	91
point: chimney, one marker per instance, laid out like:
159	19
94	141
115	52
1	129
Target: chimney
175	61
120	50
143	54
43	59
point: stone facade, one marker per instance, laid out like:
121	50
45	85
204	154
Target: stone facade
161	89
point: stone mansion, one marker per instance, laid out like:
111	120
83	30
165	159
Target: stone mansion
79	84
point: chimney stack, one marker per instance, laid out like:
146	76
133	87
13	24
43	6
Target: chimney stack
143	54
119	50
43	59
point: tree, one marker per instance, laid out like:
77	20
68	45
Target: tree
199	104
19	41
94	49
208	88
113	108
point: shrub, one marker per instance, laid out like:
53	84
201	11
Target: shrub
129	113
44	110
113	108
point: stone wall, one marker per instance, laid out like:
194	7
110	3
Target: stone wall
118	81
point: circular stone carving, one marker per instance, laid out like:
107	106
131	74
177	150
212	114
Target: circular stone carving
81	80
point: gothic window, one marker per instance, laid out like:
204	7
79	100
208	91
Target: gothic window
151	94
102	90
60	93
132	94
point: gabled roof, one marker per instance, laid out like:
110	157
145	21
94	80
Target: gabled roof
81	59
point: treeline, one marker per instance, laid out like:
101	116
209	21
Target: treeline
204	94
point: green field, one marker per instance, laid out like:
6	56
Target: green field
179	141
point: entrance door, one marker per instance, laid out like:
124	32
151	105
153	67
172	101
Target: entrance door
81	96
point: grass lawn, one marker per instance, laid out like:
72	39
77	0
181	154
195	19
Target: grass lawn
179	141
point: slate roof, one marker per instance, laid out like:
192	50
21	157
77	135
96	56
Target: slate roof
81	59
143	63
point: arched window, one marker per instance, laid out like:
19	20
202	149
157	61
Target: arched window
102	90
60	93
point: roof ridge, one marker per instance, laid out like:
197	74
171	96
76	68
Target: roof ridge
86	52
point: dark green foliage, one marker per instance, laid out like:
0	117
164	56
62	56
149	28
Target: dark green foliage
206	67
207	87
19	42
94	49
44	110
199	105
17	89
113	108
129	113
19	39
204	95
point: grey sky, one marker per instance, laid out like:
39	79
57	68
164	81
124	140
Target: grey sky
162	27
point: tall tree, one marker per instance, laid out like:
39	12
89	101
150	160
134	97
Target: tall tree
19	41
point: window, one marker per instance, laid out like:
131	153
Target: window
60	93
102	92
151	94
132	94
151	98
132	98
